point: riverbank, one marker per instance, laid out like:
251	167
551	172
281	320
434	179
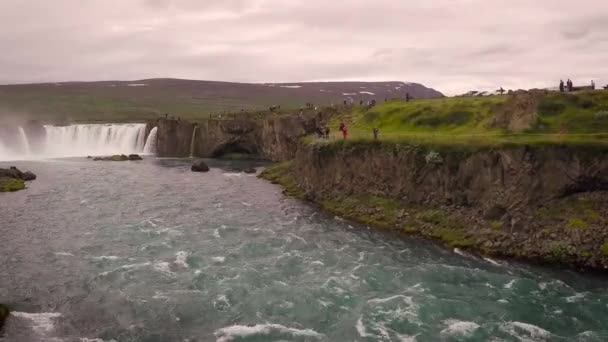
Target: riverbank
542	204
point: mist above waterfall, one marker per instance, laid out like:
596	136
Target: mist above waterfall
73	141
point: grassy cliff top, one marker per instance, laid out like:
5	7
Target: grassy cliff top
526	117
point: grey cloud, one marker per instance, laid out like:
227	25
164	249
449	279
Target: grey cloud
454	45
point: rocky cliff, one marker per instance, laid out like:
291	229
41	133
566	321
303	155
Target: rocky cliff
273	138
541	203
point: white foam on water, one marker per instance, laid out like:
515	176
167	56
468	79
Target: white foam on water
367	92
297	237
216	233
232	174
291	86
218	259
361	328
246	204
361	256
406	299
221	303
126	267
64	254
510	284
234	332
42	323
84	339
180	259
503	301
462	253
107	257
324	303
577	297
317	263
458	328
163	267
492	261
524	331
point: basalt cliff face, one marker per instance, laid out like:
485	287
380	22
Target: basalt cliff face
273	138
510	177
539	203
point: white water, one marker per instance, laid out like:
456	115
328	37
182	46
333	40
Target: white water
192	141
150	147
24	143
80	140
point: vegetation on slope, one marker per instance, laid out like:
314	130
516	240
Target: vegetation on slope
580	117
117	101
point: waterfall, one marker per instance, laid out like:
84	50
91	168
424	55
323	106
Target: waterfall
150	147
25	145
78	141
192	141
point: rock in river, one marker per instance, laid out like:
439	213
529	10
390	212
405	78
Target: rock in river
250	170
12	179
199	166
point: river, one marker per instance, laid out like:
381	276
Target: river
149	251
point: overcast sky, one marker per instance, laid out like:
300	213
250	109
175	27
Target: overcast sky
451	45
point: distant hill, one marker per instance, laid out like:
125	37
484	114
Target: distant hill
190	99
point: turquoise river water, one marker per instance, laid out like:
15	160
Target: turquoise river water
149	251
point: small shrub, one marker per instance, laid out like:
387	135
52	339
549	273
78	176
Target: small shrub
576	223
496	225
410	229
604	249
548	107
559	251
592	214
433	157
433	216
601	114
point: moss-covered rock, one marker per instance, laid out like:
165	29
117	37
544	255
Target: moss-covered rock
11	184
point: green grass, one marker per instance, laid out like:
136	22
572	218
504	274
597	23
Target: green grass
281	174
576	223
605	249
580	118
11	184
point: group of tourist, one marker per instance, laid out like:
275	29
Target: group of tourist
569	87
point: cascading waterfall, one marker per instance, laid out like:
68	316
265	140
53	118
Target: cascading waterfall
25	145
77	141
150	147
192	141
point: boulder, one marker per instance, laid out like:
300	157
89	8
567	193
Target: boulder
199	166
15	173
250	170
116	157
135	157
28	176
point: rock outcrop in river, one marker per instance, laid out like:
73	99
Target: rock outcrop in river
13	179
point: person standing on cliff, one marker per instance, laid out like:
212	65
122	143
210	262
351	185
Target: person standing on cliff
375	133
561	86
592	85
344	132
